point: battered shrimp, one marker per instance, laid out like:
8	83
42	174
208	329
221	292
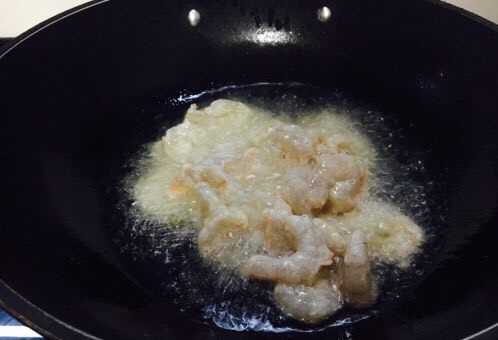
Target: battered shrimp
342	196
212	174
296	192
278	242
357	283
392	236
203	130
322	180
221	233
332	236
311	304
293	142
335	177
223	226
209	204
282	200
302	266
350	178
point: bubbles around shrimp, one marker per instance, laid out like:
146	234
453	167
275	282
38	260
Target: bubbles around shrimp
217	293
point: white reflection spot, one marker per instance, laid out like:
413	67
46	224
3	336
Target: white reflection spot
272	37
323	14
194	17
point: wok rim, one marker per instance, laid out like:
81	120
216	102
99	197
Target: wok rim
14	42
40	321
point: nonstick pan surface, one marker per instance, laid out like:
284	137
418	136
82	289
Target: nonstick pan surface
80	94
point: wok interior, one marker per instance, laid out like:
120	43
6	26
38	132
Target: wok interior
74	101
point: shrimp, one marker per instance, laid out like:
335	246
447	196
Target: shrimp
341	196
222	232
350	179
331	235
278	242
392	236
308	303
279	201
293	142
321	181
336	177
300	267
223	226
297	190
211	174
358	283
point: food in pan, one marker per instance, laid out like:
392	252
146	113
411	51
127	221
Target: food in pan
281	199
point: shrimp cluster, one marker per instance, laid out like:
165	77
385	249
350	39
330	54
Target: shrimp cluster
281	200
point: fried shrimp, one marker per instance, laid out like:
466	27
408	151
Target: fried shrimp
300	267
280	199
311	304
358	283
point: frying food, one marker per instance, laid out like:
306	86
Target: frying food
279	199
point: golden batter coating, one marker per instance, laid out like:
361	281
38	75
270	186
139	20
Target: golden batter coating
279	199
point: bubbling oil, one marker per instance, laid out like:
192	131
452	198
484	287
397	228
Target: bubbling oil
218	294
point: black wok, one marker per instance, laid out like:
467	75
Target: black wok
80	93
